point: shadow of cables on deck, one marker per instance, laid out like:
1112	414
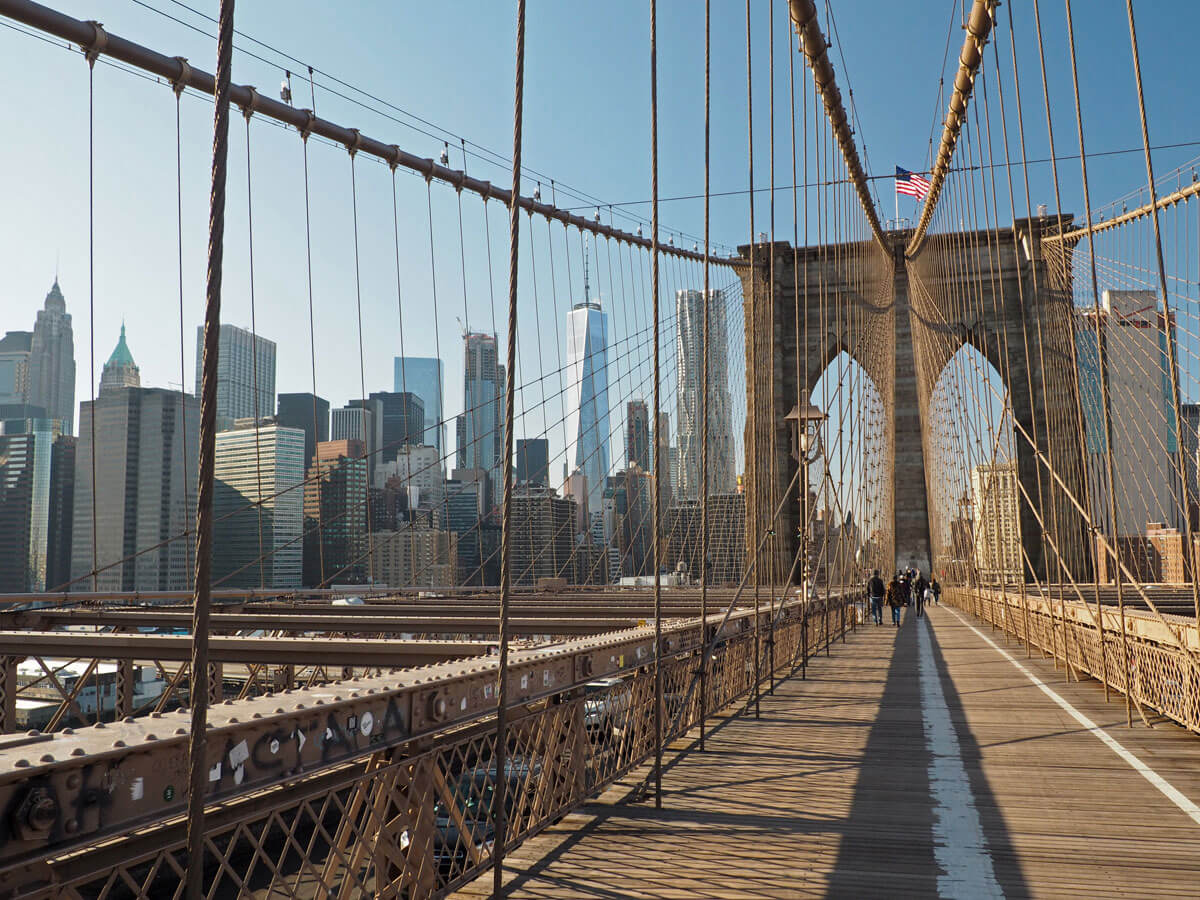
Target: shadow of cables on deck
888	848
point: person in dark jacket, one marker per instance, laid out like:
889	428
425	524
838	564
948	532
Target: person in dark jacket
919	587
895	600
936	587
875	592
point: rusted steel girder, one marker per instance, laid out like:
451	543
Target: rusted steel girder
979	26
320	622
109	778
814	46
301	651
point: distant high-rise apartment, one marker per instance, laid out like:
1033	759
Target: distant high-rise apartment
258	506
587	395
997	526
399	422
417	555
356	422
245	374
689	395
52	361
310	414
1139	390
417	472
637	435
543	538
62	509
425	377
533	461
14	367
25	476
335	515
480	428
144	495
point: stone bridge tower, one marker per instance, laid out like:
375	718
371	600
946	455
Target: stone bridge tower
903	322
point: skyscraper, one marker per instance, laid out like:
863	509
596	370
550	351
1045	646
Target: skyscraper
52	361
14	367
309	413
480	429
356	422
424	376
533	461
1139	390
62	508
587	395
245	374
335	515
637	435
997	526
259	506
689	395
144	494
399	422
25	464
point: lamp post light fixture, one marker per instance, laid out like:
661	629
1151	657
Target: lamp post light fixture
804	434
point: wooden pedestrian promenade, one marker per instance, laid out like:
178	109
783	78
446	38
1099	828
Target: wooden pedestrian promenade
918	762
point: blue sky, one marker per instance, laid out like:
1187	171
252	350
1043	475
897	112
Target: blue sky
587	124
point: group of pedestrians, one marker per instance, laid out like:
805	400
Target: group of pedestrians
908	586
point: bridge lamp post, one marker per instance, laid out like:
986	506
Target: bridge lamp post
804	432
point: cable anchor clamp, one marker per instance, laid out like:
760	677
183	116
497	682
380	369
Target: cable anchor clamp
355	142
98	45
310	119
185	76
251	105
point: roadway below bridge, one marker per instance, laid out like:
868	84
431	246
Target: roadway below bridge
925	761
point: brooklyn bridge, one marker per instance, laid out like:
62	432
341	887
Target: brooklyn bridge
856	557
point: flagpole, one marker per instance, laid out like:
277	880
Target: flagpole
896	197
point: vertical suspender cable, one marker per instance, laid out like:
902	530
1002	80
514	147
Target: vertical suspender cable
756	410
704	377
1189	568
178	89
1101	350
514	233
658	461
91	59
198	743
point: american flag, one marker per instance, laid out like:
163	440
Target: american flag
910	183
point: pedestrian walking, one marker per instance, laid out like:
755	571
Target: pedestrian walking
875	592
920	586
895	600
936	587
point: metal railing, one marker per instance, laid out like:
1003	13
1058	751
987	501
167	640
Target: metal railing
1154	659
370	787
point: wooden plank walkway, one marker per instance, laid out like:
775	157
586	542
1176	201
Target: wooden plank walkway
917	762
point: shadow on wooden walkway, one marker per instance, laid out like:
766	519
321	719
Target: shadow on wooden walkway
913	762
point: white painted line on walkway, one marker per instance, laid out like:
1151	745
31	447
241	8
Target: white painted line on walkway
1190	809
959	845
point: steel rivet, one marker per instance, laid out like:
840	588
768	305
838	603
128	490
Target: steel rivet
68	731
33	732
47	757
78	751
181	731
118	743
278	710
151	737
